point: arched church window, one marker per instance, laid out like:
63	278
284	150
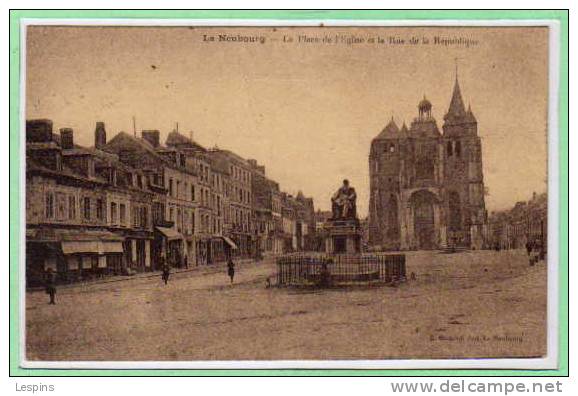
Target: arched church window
450	149
455	213
392	217
458	148
424	169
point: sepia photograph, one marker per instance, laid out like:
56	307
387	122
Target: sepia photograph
299	194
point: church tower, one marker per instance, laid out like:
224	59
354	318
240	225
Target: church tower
385	165
463	177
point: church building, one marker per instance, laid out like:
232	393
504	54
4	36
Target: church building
427	187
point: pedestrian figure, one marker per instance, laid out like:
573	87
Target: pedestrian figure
533	255
231	269
529	247
166	273
50	285
325	274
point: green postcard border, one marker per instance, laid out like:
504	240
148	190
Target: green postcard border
15	210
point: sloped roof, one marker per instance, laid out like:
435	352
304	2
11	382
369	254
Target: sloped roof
457	109
123	139
391	131
219	163
176	139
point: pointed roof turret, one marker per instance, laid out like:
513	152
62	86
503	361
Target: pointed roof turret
404	131
470	115
391	126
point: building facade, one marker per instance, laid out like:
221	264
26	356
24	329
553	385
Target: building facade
132	204
87	214
526	222
427	187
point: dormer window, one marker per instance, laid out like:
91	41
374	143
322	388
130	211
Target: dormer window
112	177
90	168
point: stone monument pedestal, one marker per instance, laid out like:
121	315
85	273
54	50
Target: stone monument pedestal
343	237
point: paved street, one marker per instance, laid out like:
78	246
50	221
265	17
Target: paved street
469	304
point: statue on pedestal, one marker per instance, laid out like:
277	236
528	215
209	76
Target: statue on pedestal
343	203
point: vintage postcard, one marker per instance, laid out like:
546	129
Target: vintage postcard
370	195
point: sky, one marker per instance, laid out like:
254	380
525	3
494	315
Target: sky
304	102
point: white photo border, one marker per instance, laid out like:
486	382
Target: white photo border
550	361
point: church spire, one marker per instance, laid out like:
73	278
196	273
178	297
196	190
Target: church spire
457	107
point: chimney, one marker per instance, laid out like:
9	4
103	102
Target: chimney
152	136
99	135
39	131
66	138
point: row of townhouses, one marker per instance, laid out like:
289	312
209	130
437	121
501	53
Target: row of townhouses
130	203
526	222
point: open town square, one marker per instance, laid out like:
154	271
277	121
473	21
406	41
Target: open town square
471	304
235	219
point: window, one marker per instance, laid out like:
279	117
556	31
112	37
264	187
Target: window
458	148
60	206
113	212
72	207
99	209
193	222
178	188
122	213
192	192
424	169
86	208
158	212
144	217
49	205
450	149
171	187
135	217
171	214
392	148
139	181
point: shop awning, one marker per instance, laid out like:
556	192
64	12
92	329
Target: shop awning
112	247
71	247
98	247
230	242
169	233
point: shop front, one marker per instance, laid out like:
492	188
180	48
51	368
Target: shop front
72	256
171	247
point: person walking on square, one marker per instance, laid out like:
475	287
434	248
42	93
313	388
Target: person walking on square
51	286
231	269
529	247
166	273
